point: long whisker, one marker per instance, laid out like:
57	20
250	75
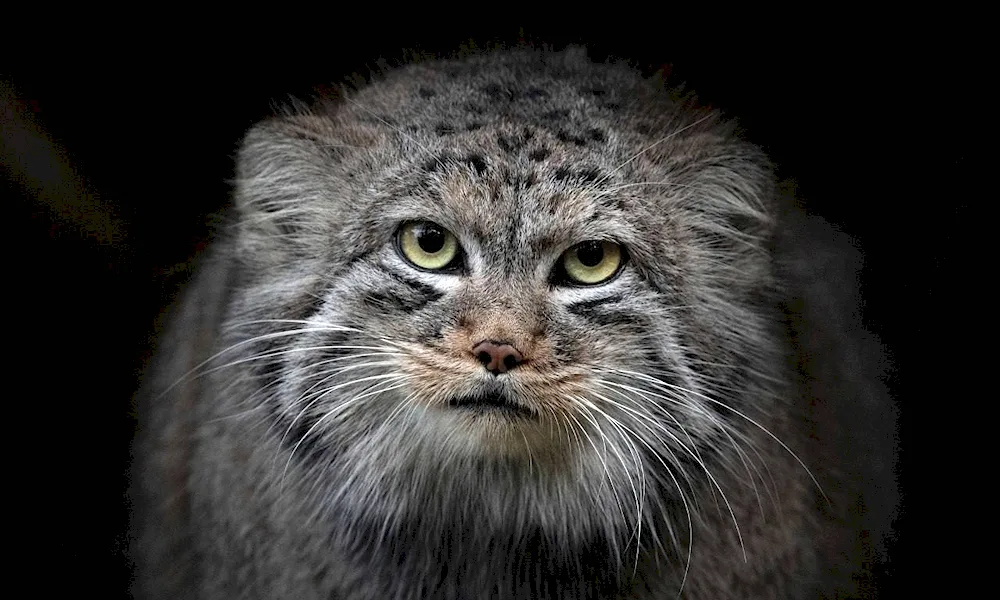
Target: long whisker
722	426
311	398
590	406
298	350
725	499
765	430
639	496
601	457
312	325
238	345
683	496
339	409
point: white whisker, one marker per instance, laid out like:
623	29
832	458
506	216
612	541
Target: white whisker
746	418
339	408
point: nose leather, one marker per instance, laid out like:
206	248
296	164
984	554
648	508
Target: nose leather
497	356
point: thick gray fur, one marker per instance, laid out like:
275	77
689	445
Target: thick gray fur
708	424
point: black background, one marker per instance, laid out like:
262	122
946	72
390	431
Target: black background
866	114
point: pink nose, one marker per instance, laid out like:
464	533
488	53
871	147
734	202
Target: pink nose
497	357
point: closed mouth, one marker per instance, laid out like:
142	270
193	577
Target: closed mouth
492	403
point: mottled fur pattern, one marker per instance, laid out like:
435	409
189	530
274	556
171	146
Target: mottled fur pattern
688	427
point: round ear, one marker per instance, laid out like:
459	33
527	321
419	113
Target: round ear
294	175
736	197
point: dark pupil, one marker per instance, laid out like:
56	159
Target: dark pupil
430	238
590	253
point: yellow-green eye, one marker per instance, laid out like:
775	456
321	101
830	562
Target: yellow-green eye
592	262
427	245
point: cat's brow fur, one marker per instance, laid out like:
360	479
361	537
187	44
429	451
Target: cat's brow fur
708	423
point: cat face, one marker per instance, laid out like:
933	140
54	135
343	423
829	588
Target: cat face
550	267
509	284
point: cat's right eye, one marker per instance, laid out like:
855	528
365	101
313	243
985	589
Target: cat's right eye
591	263
426	245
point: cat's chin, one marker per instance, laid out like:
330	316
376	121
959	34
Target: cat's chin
498	426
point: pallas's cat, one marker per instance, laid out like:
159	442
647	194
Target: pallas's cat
515	325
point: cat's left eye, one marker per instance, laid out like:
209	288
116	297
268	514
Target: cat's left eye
427	245
592	262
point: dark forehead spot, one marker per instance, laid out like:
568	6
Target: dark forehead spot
618	203
589	175
570	138
568	210
474	125
584	175
434	163
508	143
426	93
597	92
533	93
597	135
559	114
477	162
438	163
511	143
498	92
539	154
519	180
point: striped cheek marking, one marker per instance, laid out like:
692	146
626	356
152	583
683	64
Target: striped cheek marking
401	293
